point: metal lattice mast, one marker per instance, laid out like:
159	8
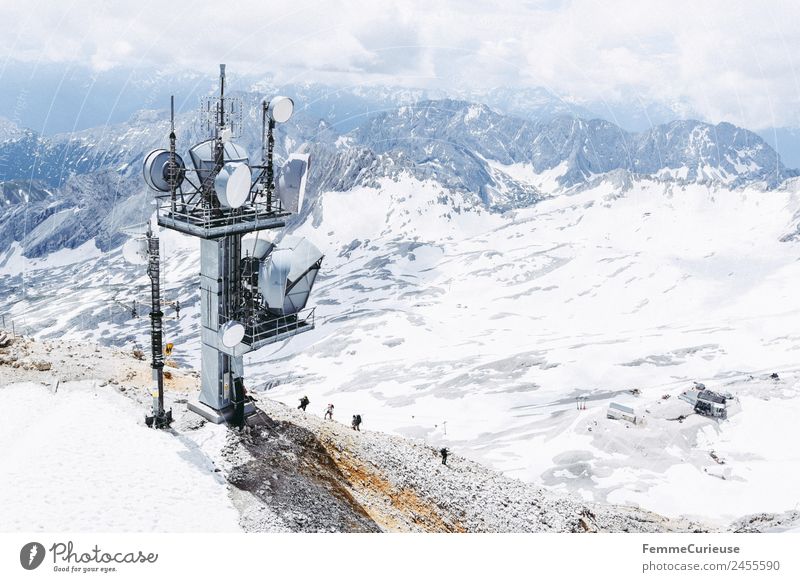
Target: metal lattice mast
160	418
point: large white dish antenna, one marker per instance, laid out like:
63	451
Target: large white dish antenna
203	160
291	183
280	109
157	170
285	279
232	184
257	244
231	334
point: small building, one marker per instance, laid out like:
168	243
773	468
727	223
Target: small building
621	412
710	403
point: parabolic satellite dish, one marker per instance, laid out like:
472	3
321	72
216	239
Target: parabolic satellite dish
231	333
287	275
157	170
291	183
280	109
202	156
232	184
257	244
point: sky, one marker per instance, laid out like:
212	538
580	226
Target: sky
732	61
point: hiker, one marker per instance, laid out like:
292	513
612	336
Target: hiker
357	422
177	310
444	452
134	315
329	412
304	401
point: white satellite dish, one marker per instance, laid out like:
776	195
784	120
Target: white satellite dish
291	183
232	184
204	159
157	170
134	251
286	277
280	109
257	244
231	334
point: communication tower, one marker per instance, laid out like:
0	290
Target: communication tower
253	291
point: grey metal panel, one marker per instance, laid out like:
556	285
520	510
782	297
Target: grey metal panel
291	183
210	375
210	284
208	336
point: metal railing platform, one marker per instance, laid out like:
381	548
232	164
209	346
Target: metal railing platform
212	223
268	329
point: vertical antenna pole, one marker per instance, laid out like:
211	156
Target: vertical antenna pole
160	418
219	147
264	105
270	169
221	120
173	166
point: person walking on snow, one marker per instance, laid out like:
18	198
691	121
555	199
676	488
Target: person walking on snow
444	452
304	401
177	310
357	422
329	412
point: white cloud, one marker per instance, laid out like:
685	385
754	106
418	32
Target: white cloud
717	59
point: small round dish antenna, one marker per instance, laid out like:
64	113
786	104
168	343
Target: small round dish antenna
232	184
231	334
280	109
157	172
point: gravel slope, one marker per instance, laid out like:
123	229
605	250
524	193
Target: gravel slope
294	471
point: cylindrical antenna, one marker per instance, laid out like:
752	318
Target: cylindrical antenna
264	107
173	166
219	147
221	120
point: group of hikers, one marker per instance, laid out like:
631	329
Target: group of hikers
356	423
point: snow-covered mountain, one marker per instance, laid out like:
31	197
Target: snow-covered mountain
482	271
499	161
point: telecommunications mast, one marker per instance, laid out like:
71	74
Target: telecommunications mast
253	291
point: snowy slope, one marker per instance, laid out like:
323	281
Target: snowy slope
84	461
434	315
89	464
495	324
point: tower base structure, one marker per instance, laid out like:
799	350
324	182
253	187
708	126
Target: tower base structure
225	415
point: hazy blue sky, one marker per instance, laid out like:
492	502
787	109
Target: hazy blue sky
718	60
